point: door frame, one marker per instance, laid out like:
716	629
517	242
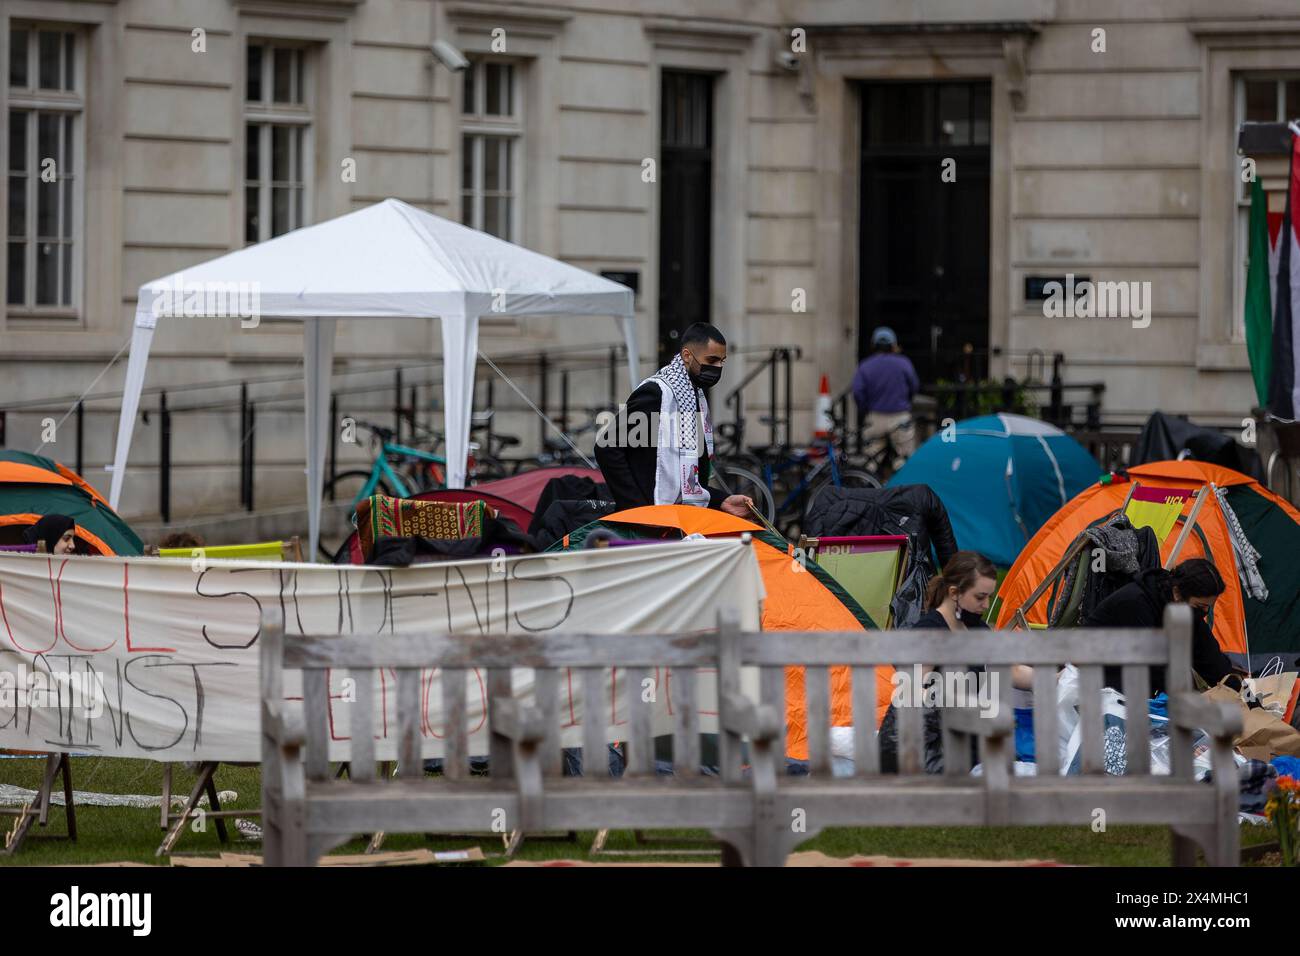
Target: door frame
916	160
723	52
843	59
664	184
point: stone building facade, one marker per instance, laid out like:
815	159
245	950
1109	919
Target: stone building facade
776	166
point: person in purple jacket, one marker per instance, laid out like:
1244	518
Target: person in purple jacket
883	388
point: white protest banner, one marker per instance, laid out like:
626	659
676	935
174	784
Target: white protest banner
158	658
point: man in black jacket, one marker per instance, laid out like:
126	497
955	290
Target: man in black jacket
1195	582
658	449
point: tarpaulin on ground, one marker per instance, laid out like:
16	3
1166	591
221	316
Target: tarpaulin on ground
174	644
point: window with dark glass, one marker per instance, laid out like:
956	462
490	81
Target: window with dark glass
44	191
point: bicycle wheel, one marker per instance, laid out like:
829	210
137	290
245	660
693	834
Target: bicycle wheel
345	487
742	481
849	478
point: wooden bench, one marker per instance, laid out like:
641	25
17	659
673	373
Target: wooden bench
759	811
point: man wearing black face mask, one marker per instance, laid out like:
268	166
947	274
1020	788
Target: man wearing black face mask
1141	603
658	450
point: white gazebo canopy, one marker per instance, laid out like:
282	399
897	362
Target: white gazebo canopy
389	260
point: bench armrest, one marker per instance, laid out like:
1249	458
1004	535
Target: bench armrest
287	729
967	720
1217	718
742	716
519	722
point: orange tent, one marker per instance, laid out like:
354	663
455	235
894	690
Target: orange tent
1250	629
32	486
797	600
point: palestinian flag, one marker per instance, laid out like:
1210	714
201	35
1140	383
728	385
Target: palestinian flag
1284	390
1259	297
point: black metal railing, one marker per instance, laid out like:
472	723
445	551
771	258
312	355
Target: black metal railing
407	384
779	368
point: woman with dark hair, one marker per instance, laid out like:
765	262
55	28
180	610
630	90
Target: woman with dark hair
956	600
59	532
1141	603
958	597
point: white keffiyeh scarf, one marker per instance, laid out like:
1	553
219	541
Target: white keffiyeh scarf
682	408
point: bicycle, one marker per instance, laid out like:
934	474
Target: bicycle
824	465
424	471
558	451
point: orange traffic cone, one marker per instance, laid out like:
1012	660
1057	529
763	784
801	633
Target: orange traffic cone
823	418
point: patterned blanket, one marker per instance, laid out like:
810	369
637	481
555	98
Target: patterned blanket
382	517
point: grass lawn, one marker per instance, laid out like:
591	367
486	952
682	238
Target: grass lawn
112	834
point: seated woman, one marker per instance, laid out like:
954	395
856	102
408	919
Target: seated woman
58	532
1141	603
956	600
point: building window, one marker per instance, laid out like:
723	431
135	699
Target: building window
277	129
44	204
491	126
1260	99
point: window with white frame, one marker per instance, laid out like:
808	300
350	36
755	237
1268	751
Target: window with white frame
1259	98
277	129
491	132
46	103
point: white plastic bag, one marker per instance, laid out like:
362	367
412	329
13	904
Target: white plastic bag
1067	704
1112	705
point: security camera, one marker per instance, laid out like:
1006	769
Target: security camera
788	60
449	56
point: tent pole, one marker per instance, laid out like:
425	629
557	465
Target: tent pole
318	363
1187	526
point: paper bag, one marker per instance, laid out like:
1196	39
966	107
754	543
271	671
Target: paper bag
1275	692
1263	736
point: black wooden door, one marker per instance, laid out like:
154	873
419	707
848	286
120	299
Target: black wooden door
924	255
685	205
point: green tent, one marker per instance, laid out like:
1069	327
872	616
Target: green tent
32	486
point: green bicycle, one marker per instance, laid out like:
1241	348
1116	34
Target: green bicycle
416	471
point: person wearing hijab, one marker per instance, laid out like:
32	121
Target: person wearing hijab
1141	603
57	531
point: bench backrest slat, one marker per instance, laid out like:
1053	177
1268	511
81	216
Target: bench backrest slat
315	693
729	649
1047	748
501	757
641	692
911	738
1090	719
684	701
866	752
456	760
816	682
546	696
595	707
1137	725
771	690
361	766
1178	678
410	714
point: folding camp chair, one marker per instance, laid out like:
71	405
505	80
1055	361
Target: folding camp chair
869	567
1146	507
290	550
